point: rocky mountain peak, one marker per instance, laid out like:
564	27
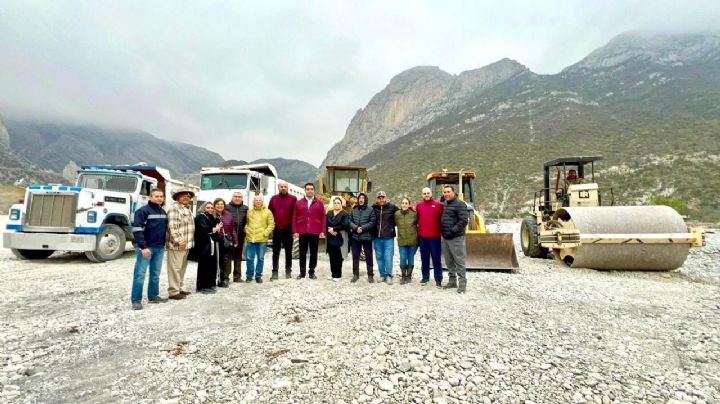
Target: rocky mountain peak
412	99
659	48
470	81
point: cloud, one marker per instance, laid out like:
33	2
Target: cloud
266	79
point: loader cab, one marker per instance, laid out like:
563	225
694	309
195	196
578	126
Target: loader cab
344	181
568	182
465	190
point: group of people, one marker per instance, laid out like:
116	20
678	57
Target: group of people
215	238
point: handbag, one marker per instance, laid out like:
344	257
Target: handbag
227	241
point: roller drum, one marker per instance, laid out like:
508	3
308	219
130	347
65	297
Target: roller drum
625	220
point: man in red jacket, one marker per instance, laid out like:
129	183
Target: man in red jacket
308	226
282	207
429	212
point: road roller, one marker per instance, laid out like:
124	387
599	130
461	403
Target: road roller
570	223
485	250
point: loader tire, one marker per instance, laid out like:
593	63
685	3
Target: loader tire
32	254
529	240
110	244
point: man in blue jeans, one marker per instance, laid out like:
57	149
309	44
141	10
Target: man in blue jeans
149	227
384	242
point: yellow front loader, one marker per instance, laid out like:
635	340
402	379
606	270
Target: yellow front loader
485	251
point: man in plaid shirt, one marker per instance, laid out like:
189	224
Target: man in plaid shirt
180	235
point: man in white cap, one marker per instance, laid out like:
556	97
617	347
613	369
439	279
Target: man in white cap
180	235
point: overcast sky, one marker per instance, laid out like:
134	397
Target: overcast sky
281	79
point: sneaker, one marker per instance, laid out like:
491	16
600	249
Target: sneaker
301	276
371	279
424	282
354	279
158	299
288	274
312	276
258	280
389	280
248	280
137	306
179	296
438	284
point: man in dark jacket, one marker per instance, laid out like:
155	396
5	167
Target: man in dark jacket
149	227
384	242
282	207
452	223
239	212
362	225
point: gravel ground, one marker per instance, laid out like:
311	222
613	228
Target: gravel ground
547	334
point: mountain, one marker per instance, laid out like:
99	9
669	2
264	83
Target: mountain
53	146
649	103
14	167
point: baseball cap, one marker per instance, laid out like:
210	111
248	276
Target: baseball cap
381	193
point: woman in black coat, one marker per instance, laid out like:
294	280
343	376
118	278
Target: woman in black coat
338	222
206	249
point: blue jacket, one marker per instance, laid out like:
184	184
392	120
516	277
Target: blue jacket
150	226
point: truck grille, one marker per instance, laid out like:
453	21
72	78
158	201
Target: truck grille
53	212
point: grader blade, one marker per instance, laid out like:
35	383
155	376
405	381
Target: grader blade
490	251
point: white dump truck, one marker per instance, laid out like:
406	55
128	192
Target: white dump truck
94	216
249	179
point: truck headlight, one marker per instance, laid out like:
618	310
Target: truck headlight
92	216
14	214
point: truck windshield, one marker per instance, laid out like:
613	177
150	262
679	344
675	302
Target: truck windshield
347	181
108	182
223	181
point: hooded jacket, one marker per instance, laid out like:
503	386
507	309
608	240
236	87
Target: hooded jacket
362	216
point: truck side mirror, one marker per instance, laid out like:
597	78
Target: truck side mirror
369	186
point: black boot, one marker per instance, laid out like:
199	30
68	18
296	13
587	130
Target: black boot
409	275
402	275
451	284
274	276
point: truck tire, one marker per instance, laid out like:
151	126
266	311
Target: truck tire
32	254
110	244
529	240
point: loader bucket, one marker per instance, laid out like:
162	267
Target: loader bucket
490	251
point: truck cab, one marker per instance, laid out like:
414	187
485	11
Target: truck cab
249	180
93	216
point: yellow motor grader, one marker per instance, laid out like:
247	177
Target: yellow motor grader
485	251
570	219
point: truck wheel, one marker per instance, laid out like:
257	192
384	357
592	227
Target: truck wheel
110	244
529	239
32	254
